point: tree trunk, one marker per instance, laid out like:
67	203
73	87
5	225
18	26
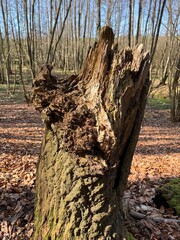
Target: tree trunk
92	126
138	33
130	23
175	95
98	22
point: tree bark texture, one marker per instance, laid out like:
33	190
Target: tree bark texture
92	123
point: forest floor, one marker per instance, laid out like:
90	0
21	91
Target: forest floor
156	159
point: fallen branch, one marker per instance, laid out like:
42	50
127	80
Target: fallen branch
140	216
137	215
164	220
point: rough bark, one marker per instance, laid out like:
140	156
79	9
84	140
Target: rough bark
92	126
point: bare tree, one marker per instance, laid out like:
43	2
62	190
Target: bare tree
2	60
6	48
20	51
61	32
98	22
155	34
130	23
175	94
52	31
29	21
139	21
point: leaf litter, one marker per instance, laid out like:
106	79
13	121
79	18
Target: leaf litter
20	139
156	159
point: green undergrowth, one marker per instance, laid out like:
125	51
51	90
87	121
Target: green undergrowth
171	192
13	94
158	103
130	237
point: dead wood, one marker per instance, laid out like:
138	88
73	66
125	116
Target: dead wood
92	126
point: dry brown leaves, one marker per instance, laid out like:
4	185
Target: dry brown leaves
157	158
20	139
158	149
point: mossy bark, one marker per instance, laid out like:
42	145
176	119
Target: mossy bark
75	199
92	126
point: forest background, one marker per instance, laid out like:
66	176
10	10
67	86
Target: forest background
35	32
60	32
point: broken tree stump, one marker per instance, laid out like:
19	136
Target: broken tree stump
92	123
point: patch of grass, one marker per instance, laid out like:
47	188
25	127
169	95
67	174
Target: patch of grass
61	73
14	95
159	103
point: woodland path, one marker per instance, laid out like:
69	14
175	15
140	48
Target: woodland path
157	158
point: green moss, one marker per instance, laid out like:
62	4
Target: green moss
47	238
171	192
159	103
51	219
38	216
130	237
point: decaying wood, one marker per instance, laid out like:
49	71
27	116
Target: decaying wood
140	216
92	124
